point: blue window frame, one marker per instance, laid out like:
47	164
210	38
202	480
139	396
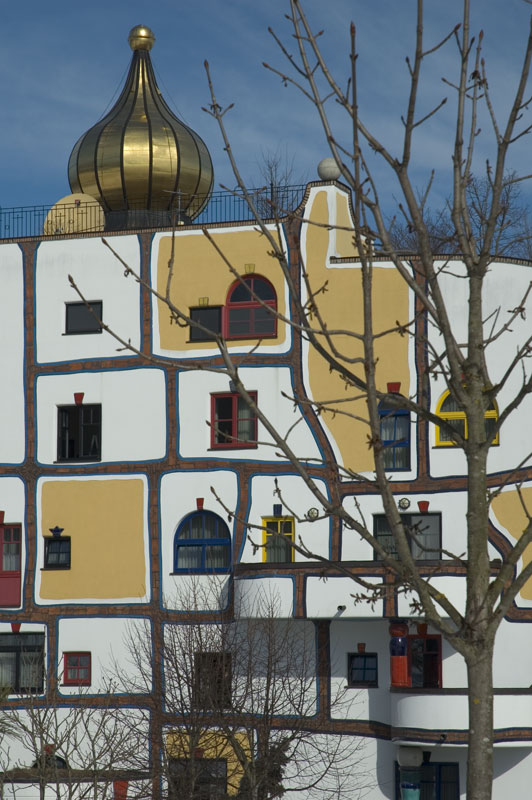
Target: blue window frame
202	543
395	437
438	781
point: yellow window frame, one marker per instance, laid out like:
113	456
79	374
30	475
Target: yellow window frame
449	416
268	535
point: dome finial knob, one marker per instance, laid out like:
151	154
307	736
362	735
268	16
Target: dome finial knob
141	38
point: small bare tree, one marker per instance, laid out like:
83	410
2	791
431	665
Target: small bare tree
243	693
72	751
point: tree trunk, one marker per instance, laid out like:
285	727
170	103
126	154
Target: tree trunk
480	754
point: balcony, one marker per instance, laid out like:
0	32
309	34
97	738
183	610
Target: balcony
417	713
70	219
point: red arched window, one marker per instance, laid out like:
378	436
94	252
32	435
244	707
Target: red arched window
245	317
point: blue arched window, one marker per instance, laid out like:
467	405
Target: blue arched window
202	543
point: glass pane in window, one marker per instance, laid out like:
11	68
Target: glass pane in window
457	424
31	671
263	322
239	321
223	419
277	550
8	668
245	422
384	535
210	318
11	557
425	541
189	557
216	556
241	293
262	289
80	320
450	404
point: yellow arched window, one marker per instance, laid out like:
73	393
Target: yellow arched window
449	410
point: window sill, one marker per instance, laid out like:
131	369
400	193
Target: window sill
78	460
361	686
55	569
246	446
212	571
80	333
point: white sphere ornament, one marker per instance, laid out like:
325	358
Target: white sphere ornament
328	169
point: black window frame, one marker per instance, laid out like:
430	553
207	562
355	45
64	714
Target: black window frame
91	323
195	313
206	784
213	677
58	544
434	554
431	787
71	437
21	644
365	658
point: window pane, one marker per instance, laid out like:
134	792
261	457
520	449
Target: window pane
189	557
457	424
262	321
216	556
208	317
223	419
80	320
8	667
239	321
262	289
425	541
11	557
245	422
241	293
277	550
31	671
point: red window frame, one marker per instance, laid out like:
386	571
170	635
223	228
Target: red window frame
10	533
428	658
231	443
72	669
250	306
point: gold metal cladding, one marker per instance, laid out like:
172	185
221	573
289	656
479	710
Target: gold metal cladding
141	38
140	155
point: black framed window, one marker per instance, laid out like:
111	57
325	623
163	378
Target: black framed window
198	778
212	680
22	662
80	319
362	669
208	316
423	533
79	433
437	781
57	552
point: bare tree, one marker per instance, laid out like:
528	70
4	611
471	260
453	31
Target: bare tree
240	705
75	751
478	230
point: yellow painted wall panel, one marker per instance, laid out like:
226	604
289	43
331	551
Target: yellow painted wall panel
200	271
105	522
213	744
341	306
509	512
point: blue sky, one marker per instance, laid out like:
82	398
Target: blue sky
63	62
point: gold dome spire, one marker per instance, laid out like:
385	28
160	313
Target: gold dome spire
140	157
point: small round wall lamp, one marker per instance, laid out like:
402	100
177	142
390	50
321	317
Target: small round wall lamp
404	503
313	513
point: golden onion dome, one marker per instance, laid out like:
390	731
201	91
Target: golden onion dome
140	161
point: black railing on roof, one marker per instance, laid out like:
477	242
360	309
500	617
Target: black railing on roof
69	219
